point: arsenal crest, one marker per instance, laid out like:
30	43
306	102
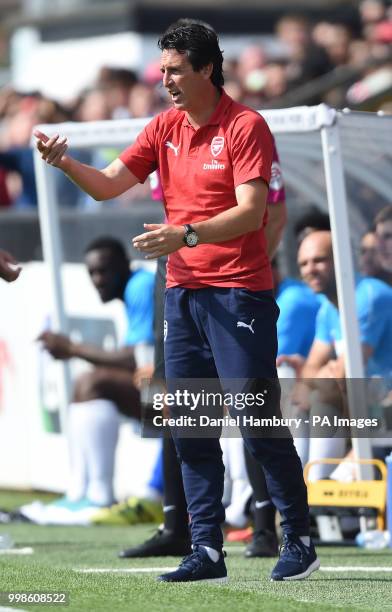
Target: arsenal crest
217	145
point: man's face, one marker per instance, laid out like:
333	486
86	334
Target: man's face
369	260
104	274
315	262
184	85
384	243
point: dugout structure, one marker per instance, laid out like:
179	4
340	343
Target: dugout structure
340	161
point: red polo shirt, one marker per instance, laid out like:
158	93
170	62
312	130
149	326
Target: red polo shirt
200	170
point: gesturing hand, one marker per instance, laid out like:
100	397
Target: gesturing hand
58	345
159	239
52	149
142	375
9	268
294	361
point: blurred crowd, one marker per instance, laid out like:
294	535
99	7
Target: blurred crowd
316	62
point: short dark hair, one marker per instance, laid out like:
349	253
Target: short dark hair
185	21
200	42
384	215
110	244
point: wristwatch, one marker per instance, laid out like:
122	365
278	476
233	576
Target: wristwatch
190	237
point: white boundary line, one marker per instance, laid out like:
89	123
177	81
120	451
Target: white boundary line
125	570
149	570
17	551
356	568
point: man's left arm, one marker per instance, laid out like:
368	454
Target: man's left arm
276	205
336	368
246	217
277	218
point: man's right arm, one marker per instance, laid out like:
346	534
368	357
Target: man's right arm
62	348
319	355
104	184
122	358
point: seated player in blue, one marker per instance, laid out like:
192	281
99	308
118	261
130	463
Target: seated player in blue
374	310
108	391
383	233
326	358
298	306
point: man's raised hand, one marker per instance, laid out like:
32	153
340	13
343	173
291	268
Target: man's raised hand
52	149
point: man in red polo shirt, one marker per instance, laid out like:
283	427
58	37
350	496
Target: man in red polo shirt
214	157
172	538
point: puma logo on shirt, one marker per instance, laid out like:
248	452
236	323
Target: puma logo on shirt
170	145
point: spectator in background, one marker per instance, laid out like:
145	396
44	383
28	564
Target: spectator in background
335	38
116	84
252	58
359	53
276	81
369	263
9	99
16	156
372	13
108	391
250	74
383	230
306	59
372	55
95	105
142	101
152	77
92	105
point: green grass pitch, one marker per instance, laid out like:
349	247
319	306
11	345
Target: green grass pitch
59	552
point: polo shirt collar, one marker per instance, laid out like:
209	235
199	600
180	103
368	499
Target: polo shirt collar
224	102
